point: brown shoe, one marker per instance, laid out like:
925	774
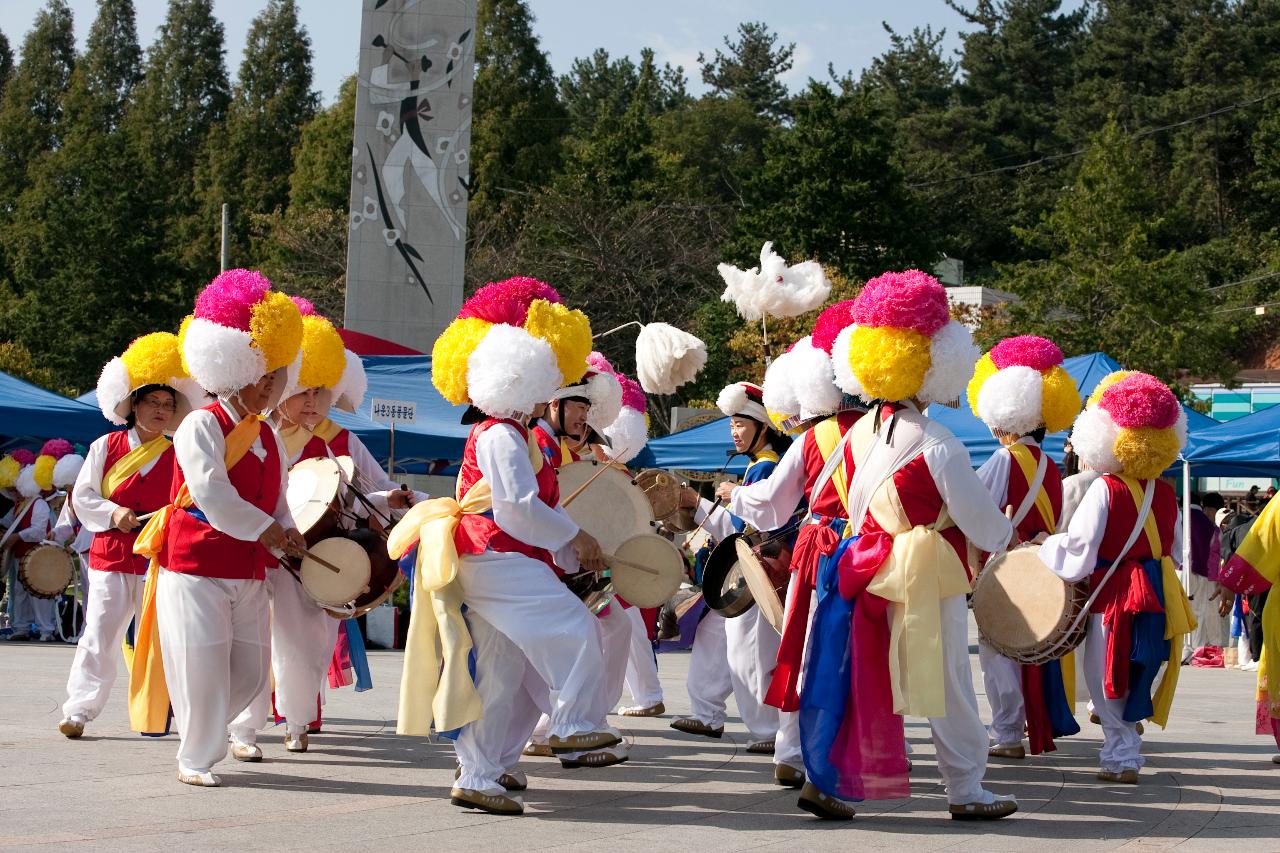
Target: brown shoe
984	811
489	803
582	742
761	747
1013	751
296	744
249	752
651	711
537	750
788	776
820	805
1128	776
72	727
1097	721
513	780
600	758
692	726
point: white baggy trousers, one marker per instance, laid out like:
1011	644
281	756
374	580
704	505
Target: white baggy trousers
734	656
217	655
1121	743
642	667
113	600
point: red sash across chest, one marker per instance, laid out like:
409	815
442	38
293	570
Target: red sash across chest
477	533
195	547
112	550
1033	523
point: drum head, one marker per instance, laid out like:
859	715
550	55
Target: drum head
723	586
641	588
612	508
760	584
1018	602
348	468
330	588
46	571
313	487
662	490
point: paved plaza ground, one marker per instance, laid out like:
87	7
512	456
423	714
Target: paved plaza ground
1209	786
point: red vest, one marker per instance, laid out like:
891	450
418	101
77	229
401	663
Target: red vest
552	447
827	504
476	534
1122	515
112	550
194	547
19	548
316	448
1032	524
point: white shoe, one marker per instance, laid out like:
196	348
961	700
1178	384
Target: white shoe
200	780
1251	666
296	742
246	751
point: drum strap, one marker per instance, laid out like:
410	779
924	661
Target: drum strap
18	515
834	460
1033	489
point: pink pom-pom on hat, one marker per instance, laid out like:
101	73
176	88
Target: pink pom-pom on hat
597	362
306	307
23	456
1141	400
902	300
831	323
508	301
56	447
1027	351
632	394
228	300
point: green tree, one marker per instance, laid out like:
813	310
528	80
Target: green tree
751	69
598	83
321	175
830	189
31	113
1106	283
517	122
6	62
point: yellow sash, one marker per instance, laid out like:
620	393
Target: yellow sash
566	455
1027	464
148	693
294	437
131	463
1261	550
1179	620
435	681
827	435
327	430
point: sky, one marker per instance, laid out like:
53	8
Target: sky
847	33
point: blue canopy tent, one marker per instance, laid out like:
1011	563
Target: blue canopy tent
437	435
702	448
29	415
1243	447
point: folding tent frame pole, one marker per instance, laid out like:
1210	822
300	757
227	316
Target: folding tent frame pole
1186	523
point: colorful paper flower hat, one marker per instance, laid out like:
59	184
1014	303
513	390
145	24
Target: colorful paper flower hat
242	330
1132	425
41	473
629	432
903	344
154	359
1021	386
599	386
323	356
511	347
778	392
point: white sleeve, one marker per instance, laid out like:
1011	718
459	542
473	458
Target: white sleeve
1177	540
65	527
967	499
769	503
200	449
502	456
92	508
716	520
994	474
38	529
372	480
1073	554
282	513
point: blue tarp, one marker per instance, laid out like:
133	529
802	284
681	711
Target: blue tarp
703	447
1243	447
29	415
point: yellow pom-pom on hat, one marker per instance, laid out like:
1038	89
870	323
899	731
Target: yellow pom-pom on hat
449	357
154	359
10	468
569	333
42	472
890	363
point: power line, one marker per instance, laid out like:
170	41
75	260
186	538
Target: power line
1263	277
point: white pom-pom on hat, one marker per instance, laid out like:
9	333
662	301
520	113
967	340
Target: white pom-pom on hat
26	485
815	380
1010	400
114	391
734	401
510	372
349	394
846	381
605	393
66	469
952	356
1093	438
627	435
221	359
779	387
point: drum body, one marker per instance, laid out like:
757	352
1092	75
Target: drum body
1026	612
314	498
662	491
46	571
647	570
367	576
595	591
612	508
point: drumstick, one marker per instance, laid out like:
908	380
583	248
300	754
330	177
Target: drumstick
322	561
603	467
714	505
609	558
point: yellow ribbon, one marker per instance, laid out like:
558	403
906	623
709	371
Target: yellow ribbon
1261	550
827	434
131	463
294	437
435	681
148	693
1028	465
922	569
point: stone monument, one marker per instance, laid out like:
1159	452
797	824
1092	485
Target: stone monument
410	168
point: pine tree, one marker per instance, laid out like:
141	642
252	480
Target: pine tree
751	69
31	113
6	62
110	68
249	158
517	122
321	175
597	84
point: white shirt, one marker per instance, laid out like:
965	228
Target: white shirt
92	507
769	503
1073	492
502	455
1073	554
69	526
37	529
200	448
994	473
